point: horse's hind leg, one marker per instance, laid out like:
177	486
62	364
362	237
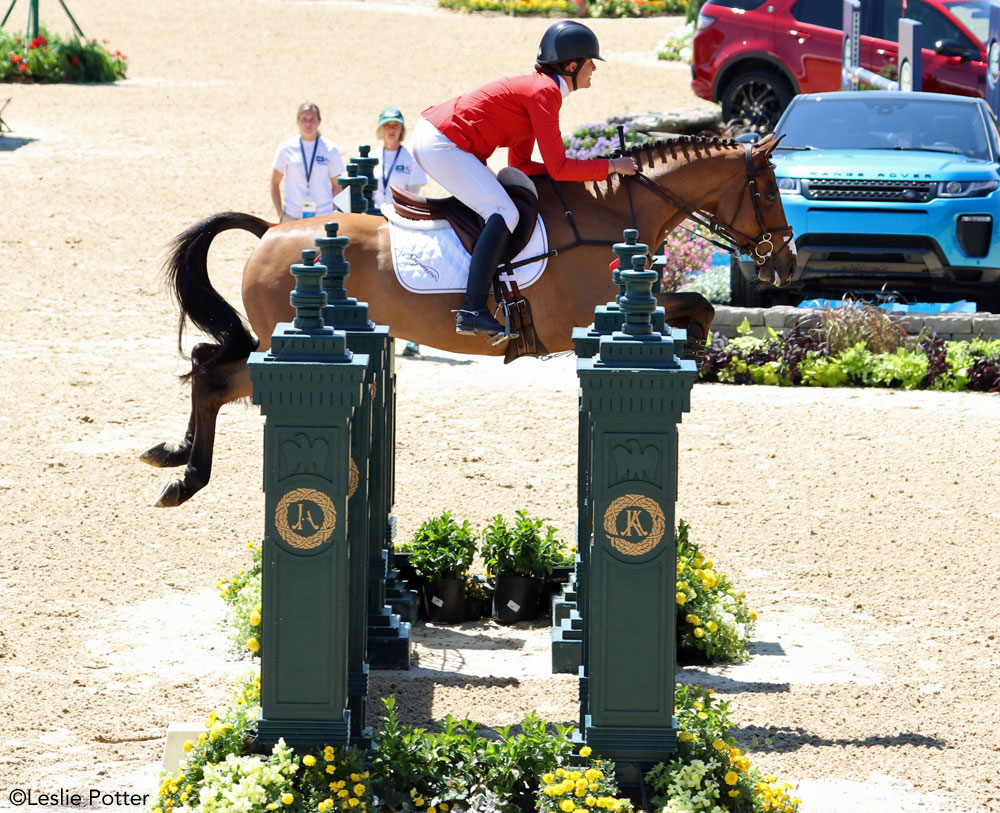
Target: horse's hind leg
167	455
212	386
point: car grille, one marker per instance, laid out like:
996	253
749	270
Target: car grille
899	191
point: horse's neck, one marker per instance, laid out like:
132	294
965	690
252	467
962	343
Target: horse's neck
696	172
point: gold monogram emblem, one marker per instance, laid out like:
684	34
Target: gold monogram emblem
641	517
354	479
298	523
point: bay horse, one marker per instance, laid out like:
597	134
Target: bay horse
728	185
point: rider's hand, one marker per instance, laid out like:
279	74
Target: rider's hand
624	165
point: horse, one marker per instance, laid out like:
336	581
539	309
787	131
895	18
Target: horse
727	185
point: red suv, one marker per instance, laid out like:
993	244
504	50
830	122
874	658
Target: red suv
754	55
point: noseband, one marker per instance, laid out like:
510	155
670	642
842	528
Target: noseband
735	242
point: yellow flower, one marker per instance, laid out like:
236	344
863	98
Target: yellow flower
255	619
548	778
355	777
419	801
188	746
342	793
443	806
753	615
287	798
585	751
685	736
432	809
308	760
681	598
253	645
712	626
567	806
691	618
592	774
359	790
732	778
591	801
331	769
734	793
353	802
719	745
699	632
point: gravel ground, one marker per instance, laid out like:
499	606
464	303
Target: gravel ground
862	524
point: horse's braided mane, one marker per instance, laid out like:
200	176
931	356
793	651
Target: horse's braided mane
672	144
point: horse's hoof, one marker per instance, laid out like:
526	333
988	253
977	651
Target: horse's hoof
163	456
171	496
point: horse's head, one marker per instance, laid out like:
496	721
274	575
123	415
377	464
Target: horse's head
751	216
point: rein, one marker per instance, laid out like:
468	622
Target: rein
729	239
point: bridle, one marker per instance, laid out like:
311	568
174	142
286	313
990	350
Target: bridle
728	239
735	242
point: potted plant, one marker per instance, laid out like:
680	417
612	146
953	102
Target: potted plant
441	553
478	597
518	559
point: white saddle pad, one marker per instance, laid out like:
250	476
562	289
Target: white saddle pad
432	260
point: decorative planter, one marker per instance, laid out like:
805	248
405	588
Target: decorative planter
515	598
444	601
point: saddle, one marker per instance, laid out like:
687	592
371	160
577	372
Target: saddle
468	226
466	223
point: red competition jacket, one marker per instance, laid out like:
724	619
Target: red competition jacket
513	112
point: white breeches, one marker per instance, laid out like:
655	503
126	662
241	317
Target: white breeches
461	173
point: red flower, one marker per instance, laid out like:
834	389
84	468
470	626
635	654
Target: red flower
75	60
42	40
22	67
15	58
33	45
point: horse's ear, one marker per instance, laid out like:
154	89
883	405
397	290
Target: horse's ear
771	142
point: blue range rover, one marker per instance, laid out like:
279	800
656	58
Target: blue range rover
887	192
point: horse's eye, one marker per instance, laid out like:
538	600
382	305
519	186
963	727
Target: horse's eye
770	197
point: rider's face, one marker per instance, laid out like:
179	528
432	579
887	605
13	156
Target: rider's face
586	71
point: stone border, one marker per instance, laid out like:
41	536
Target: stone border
953	326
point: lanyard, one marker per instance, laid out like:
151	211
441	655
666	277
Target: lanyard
387	175
308	167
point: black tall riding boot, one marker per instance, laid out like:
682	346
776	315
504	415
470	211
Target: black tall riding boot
474	318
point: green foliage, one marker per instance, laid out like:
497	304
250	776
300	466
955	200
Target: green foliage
693	7
242	594
571	8
713	284
413	768
712	617
805	357
49	58
709	772
677	45
521	550
442	549
584	788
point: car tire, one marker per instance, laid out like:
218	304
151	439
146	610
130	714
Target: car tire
744	293
754	101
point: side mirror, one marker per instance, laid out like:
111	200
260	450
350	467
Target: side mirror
952	48
748	138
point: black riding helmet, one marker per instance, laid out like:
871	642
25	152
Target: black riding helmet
567	41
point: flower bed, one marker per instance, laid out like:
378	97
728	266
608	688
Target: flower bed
49	58
813	357
457	769
572	8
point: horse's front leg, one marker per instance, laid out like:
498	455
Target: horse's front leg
212	386
689	311
167	455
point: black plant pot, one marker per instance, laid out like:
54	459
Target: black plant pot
444	601
515	598
474	608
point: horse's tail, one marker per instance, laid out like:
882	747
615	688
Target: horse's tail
186	272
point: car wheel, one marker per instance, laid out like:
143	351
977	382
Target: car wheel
744	293
755	100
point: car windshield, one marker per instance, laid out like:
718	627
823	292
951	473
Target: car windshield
974	15
867	122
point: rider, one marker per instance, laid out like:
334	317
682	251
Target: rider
454	139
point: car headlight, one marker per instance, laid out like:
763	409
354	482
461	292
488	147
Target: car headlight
790	185
965	189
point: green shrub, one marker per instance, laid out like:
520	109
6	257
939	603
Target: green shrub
49	58
521	550
442	549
